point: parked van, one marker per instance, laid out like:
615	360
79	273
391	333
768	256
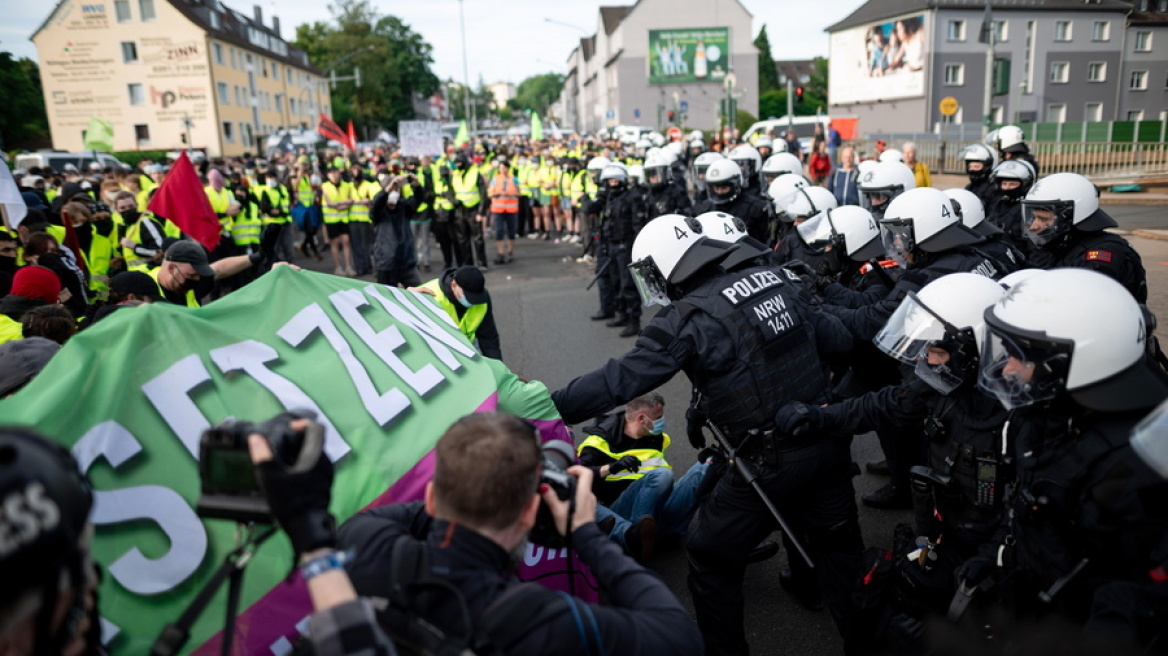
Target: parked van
57	159
631	134
804	127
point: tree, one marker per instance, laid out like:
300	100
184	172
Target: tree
815	91
537	93
23	121
768	75
394	61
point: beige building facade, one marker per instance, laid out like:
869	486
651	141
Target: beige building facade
172	74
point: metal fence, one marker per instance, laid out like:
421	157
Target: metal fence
1119	161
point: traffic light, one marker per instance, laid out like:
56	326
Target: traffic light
184	138
670	116
798	95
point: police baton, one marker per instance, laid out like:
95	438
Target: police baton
748	474
600	273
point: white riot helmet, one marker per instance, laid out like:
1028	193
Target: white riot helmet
722	173
1072	330
782	191
614	172
764	141
1059	202
1011	139
1009	280
947	317
700	164
722	226
972	212
694	135
980	161
809	201
856	229
865	165
657	170
668	250
748	160
643	144
697	146
781	163
892	155
779	146
596	165
882	184
1014	169
677	148
922	219
637	174
657	138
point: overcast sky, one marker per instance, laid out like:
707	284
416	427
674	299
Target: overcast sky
507	40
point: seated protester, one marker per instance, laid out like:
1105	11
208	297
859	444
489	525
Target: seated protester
634	482
50	321
32	287
45	250
477	513
462	292
20	361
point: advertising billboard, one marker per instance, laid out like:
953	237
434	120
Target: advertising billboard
686	56
879	61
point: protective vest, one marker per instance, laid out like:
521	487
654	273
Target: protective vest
304	192
527	182
472	318
362	191
142	198
191	300
426	175
466	187
275	201
10	330
245	230
504	195
51	193
285	199
332	194
650	458
547	179
97	259
441	201
135	262
220	202
583	185
776	359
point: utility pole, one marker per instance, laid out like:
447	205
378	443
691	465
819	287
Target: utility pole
987	37
467	109
790	106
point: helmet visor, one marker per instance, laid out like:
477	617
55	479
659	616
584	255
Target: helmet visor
898	240
650	283
1150	440
909	331
1021	368
657	175
872	199
1045	220
817	232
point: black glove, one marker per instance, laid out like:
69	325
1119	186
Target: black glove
269	238
799	268
299	502
695	421
628	463
910	281
798	419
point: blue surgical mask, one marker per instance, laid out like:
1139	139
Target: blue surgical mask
658	426
465	303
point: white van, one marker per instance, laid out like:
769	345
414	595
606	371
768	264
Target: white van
630	134
804	129
57	159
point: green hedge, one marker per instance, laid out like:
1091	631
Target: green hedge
132	157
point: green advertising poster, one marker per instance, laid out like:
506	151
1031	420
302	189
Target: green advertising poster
689	55
385	370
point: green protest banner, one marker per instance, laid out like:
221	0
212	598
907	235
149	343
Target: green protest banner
385	370
689	55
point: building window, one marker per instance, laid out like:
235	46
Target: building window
279	103
1059	72
955	30
142	134
1101	31
217	50
954	75
263	67
137	97
1093	112
1001	33
1056	113
997	114
228	132
288	75
275	71
1062	30
215	22
146	10
1139	81
1135	115
238	96
1143	42
246	134
129	52
1097	72
224	97
122	10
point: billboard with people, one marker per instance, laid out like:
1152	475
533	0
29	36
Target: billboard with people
685	56
880	61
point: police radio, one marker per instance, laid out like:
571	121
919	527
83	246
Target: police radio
987	478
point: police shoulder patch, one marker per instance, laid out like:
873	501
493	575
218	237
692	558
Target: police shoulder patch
1099	256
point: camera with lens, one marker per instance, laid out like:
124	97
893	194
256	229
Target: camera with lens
230	489
557	456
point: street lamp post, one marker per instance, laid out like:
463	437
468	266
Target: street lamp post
467	111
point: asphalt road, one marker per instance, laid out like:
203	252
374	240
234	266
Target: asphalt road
542	310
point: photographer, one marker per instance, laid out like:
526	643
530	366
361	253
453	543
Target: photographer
475	519
394	256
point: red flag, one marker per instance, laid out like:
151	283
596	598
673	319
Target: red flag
330	130
181	199
352	136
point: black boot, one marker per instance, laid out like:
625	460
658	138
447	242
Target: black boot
806	592
601	316
764	550
619	321
631	330
889	497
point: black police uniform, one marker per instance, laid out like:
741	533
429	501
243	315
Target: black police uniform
643	616
620	221
748	343
984	188
1099	251
1005	213
669	198
752	209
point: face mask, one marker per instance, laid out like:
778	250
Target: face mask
383	178
658	426
315	179
465	303
130	216
272	182
393	197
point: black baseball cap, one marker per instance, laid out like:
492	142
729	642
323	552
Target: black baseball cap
193	254
473	284
136	283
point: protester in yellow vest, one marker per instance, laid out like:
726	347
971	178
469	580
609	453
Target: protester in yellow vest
225	206
273	200
141	236
469	188
634	481
363	190
336	197
247	225
98	237
186	275
462	293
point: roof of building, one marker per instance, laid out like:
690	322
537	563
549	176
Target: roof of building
234	27
877	10
611	17
795	69
1148	13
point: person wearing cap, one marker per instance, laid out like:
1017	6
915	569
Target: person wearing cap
186	273
462	292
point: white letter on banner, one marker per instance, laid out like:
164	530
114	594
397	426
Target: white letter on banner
384	343
382	407
436	337
161	505
250	356
169	393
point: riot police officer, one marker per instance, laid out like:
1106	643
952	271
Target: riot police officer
749	160
724	184
663	195
749	344
882	183
1012	180
980	161
620	220
996	245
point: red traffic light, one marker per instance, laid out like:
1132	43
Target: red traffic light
798	94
